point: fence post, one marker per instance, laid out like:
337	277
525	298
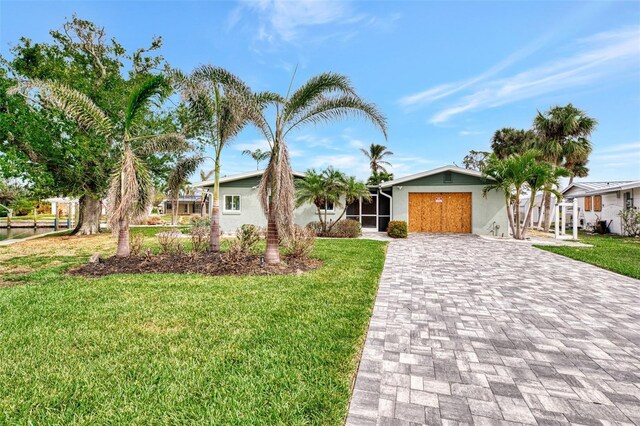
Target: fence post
575	218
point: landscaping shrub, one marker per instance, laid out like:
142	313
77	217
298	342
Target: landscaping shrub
248	237
397	229
301	243
630	222
201	221
347	228
136	242
169	241
153	220
199	238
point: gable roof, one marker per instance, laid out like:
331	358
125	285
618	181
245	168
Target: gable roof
590	187
616	186
239	176
448	168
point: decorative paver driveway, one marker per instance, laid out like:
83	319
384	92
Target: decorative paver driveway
466	330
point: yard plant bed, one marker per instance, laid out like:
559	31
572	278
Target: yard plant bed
180	348
199	263
612	252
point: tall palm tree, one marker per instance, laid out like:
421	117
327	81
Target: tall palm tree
377	178
323	98
316	190
206	175
219	102
563	138
376	155
131	187
258	156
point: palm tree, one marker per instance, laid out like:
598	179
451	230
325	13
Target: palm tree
352	191
258	155
376	155
219	102
377	178
316	190
513	176
563	138
131	186
206	175
323	98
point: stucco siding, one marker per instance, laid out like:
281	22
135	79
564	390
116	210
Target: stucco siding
485	211
612	204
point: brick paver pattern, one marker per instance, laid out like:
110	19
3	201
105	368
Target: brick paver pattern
470	331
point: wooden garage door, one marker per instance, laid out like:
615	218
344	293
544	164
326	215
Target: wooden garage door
440	212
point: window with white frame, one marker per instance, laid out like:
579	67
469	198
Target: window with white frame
232	203
328	206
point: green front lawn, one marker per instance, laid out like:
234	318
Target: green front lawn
175	349
617	254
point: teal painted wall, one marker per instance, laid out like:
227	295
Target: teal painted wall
438	180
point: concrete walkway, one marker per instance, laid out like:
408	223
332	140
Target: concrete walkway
471	331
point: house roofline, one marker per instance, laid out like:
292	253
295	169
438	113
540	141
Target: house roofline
426	173
621	187
239	176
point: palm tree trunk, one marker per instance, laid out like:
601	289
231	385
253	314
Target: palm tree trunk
123	238
272	253
547	209
510	215
517	214
527	219
214	234
339	217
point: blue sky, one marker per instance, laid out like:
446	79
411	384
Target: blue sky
446	74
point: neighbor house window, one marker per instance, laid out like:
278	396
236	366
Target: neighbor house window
597	203
232	203
448	177
587	203
168	206
186	208
628	200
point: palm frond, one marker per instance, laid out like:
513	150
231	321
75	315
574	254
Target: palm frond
316	88
75	105
341	108
212	75
166	143
184	168
154	86
277	190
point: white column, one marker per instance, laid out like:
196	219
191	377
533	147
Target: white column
575	218
54	208
557	227
73	212
563	219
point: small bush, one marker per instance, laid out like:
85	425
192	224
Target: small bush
397	229
169	241
153	220
345	228
248	237
630	222
200	221
136	242
301	243
199	238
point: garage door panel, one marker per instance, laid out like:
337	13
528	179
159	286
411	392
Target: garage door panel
440	212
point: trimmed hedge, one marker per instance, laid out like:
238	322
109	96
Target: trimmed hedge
397	229
345	228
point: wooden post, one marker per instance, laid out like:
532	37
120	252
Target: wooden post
35	217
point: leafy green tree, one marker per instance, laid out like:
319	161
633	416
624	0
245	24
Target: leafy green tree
258	156
475	160
563	139
509	141
323	98
131	186
219	104
44	147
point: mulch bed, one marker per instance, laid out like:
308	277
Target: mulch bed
201	263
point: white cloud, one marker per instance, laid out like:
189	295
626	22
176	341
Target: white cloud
634	146
261	144
470	132
598	58
292	21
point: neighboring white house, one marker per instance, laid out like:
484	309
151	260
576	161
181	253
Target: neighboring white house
446	199
538	209
187	205
602	201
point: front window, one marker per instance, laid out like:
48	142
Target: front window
232	203
328	206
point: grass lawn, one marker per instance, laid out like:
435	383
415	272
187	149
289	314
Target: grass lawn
174	349
612	252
